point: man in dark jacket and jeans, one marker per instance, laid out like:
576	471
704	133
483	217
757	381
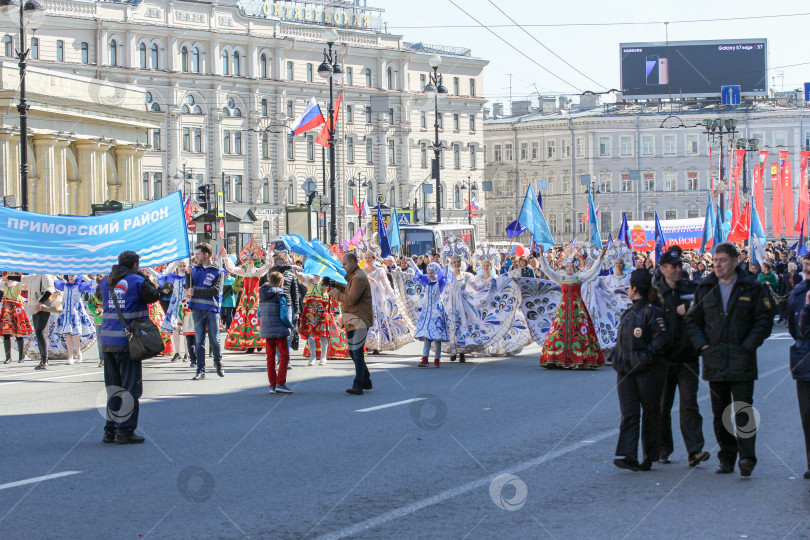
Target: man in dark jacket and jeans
730	318
798	312
122	375
682	367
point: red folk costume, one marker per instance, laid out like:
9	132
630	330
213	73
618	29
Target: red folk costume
156	315
244	331
319	320
13	319
571	341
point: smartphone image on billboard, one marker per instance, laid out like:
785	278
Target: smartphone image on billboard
651	65
663	71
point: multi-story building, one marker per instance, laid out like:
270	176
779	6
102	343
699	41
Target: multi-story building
224	81
640	159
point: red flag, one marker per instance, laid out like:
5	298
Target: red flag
776	203
759	187
735	206
355	205
804	200
787	191
323	136
739	230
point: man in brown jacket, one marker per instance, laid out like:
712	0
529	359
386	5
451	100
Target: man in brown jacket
357	318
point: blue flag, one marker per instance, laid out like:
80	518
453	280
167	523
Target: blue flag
382	235
719	234
328	257
596	239
799	247
533	219
515	229
540	199
660	239
708	225
394	237
315	263
626	237
756	235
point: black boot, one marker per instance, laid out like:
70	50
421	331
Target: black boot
452	357
7	348
20	349
462	359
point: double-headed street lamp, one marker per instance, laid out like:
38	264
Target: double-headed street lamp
330	69
435	89
471	188
366	184
28	9
716	128
749	145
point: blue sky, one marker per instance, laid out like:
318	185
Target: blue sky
594	50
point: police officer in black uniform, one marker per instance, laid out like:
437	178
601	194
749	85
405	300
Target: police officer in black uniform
682	366
638	359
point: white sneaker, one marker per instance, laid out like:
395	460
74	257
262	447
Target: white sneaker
272	389
79	359
322	362
70	361
311	362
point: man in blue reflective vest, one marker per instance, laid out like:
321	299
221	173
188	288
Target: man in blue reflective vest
204	284
122	375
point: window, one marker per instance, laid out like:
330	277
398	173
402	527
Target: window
369	151
472	122
440	120
647	145
552	183
85	48
189	107
350	149
263	66
290	148
692	214
691	144
669	145
508	152
551	149
423	154
368	114
226	63
692	180
237	142
237	64
605	182
198	147
498	155
226	142
629	215
157	183
389	76
422	81
309	73
60	51
349	114
264	107
154	53
289	70
266	199
310	147
8	46
649	181
290	109
423	119
582	223
392	157
627	184
237	187
566	184
649	215
456	86
146	186
367	73
265	145
604	146
580	147
780	139
524	151
473	161
535	150
195	59
227	189
606	221
141	54
456	123
390	116
186	139
671	214
348	78
457	156
35	49
565	148
457	196
626	146
472	87
184	59
567	225
670	181
156	139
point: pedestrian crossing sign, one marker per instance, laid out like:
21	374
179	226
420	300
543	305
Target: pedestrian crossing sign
403	220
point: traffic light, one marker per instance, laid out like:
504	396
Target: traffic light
204	197
209	231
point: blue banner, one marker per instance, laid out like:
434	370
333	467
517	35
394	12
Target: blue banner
41	243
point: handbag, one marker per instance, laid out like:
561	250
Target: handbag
50	304
295	342
142	334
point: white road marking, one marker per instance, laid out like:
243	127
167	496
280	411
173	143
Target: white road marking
38	479
37	379
378	407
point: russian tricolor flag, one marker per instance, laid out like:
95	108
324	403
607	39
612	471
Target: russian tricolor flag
312	118
364	209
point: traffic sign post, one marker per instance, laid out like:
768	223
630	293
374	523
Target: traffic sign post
222	228
220	204
191	226
730	94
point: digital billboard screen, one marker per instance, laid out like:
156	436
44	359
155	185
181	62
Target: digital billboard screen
693	68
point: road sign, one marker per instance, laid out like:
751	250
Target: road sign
191	226
730	94
807	92
222	228
220	204
309	186
380	199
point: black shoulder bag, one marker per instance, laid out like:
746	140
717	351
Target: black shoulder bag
142	334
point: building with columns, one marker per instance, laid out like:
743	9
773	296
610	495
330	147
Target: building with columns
226	79
86	140
666	144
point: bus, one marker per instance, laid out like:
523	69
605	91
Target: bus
429	239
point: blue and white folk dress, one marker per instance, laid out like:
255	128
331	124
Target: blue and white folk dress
74	319
432	324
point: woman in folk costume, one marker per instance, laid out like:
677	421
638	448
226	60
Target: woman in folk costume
74	322
13	319
432	325
175	275
571	341
392	327
157	315
606	296
318	324
243	335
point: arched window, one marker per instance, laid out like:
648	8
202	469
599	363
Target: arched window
263	66
367	73
190	107
155	107
225	63
142	55
184	59
266	194
8	46
195	60
390	76
236	64
230	108
113	53
155	57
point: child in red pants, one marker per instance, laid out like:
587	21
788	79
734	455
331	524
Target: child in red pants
275	330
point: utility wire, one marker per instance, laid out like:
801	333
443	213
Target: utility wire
544	45
488	29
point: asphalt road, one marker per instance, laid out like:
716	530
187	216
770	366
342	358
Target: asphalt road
494	448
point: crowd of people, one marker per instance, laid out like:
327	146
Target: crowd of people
657	323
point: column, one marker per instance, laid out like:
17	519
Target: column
137	173
102	190
44	196
215	148
125	162
6	172
173	55
14	167
87	189
73	197
62	200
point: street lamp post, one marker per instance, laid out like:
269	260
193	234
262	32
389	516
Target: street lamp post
358	185
330	69
470	188
435	89
717	127
27	8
